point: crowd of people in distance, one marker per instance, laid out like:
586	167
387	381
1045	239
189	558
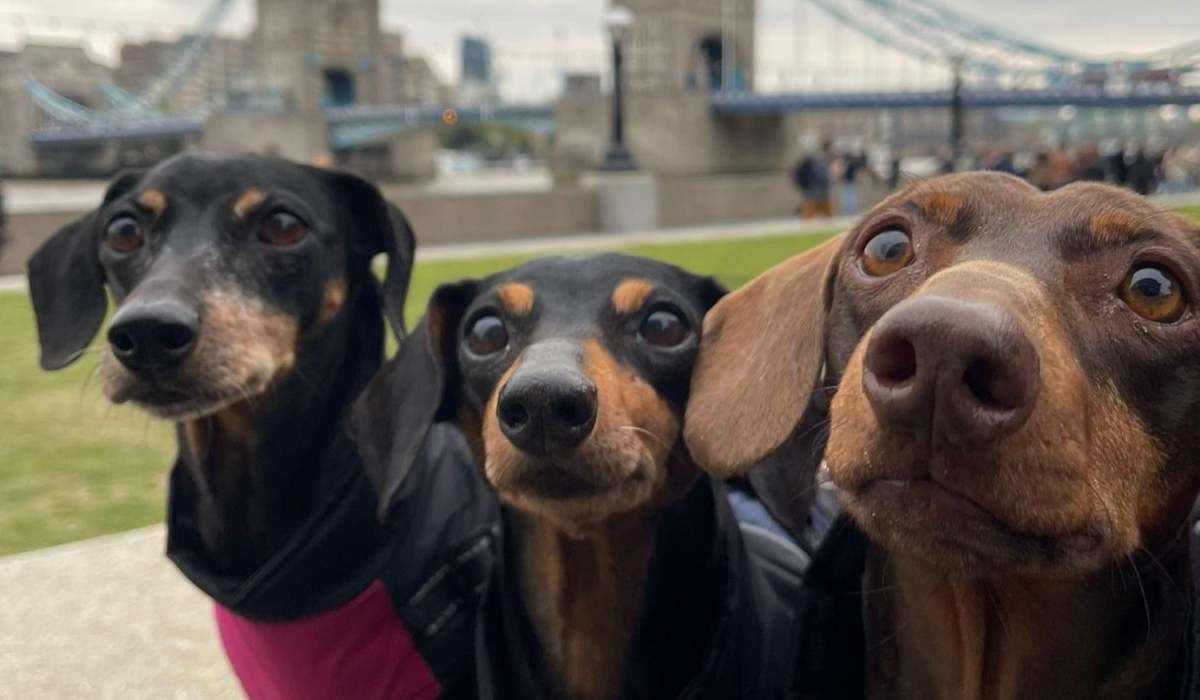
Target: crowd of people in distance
830	181
1173	170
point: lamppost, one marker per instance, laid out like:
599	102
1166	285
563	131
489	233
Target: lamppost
957	109
618	159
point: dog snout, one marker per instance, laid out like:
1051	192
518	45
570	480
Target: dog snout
547	410
960	372
154	334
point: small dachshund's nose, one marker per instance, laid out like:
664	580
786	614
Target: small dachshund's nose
547	410
956	371
155	334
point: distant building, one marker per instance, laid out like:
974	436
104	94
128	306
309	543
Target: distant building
476	60
477	85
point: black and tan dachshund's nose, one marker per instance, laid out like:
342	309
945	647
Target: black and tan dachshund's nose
155	334
955	371
547	409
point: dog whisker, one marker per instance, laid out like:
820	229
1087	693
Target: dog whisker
672	450
1145	598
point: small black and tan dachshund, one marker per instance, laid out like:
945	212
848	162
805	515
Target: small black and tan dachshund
247	313
624	573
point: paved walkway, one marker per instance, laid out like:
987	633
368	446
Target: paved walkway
107	619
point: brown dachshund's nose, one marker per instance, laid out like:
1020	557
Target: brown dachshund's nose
956	371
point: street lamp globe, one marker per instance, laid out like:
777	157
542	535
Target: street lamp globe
619	21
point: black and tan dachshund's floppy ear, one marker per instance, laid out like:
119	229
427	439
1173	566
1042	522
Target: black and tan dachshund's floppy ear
711	291
380	227
760	361
412	392
66	283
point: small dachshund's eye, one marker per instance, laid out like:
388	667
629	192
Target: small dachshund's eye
1154	293
664	328
487	336
124	235
887	252
283	229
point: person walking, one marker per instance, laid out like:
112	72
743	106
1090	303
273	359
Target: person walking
895	172
1119	167
1142	176
811	177
1176	170
853	166
3	222
1091	168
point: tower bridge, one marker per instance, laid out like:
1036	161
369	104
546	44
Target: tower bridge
325	76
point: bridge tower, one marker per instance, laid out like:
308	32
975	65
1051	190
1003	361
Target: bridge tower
319	53
690	45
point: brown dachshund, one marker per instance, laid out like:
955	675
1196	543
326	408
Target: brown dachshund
1010	382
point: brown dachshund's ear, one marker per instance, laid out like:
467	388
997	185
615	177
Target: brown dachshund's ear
66	283
390	420
380	227
760	360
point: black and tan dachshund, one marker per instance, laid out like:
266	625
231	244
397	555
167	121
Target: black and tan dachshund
624	574
248	314
1005	385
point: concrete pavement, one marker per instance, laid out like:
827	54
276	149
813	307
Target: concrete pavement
107	619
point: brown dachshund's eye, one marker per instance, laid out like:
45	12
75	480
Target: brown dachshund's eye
1154	293
283	229
664	328
887	252
487	335
124	235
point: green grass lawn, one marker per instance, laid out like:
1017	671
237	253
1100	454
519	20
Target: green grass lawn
72	466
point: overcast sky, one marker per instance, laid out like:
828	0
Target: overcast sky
535	40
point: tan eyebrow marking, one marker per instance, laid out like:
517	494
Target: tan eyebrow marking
1113	226
630	295
516	298
152	201
332	302
940	207
248	202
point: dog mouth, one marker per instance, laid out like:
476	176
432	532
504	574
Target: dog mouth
169	401
547	480
923	517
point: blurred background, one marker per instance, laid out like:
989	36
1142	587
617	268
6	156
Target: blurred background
457	101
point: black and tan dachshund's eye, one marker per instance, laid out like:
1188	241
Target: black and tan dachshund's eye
124	235
664	328
283	229
888	252
1154	293
487	336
